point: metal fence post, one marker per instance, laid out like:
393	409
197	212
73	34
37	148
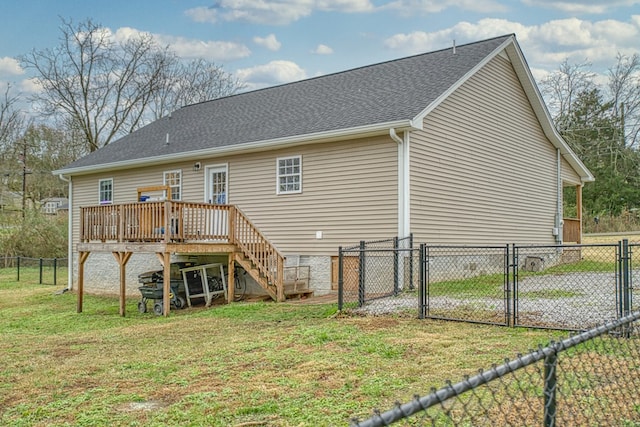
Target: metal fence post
340	280
514	286
507	286
626	300
550	383
619	280
40	282
422	289
411	286
396	260
18	264
55	271
361	276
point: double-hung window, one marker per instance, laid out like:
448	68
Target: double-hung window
289	173
105	191
174	180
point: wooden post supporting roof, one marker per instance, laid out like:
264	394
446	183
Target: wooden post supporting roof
579	210
122	258
81	260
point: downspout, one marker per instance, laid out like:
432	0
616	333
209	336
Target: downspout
401	182
557	229
69	234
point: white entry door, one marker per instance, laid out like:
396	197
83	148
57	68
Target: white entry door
217	185
216	193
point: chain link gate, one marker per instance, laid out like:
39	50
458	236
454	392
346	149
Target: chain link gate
572	287
466	283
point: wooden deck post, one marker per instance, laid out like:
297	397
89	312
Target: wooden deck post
280	280
122	258
166	302
81	260
231	283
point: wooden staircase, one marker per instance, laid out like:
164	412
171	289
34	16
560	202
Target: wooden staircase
256	254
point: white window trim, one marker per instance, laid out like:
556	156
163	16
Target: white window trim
164	181
299	190
105	202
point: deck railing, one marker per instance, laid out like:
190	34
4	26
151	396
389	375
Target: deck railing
256	247
155	222
185	222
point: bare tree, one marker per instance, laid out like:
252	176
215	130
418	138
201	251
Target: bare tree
105	88
10	118
192	82
624	85
562	87
102	86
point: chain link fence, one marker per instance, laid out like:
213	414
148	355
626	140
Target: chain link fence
46	271
570	287
589	379
567	287
379	277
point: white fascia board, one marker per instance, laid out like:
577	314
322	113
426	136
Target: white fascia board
292	141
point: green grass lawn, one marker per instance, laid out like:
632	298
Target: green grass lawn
243	364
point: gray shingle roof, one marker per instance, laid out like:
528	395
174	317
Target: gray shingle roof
380	93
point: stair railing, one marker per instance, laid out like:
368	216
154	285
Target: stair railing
257	248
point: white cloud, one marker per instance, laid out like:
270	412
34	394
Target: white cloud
213	50
273	12
322	49
270	42
273	73
546	45
581	6
202	14
10	67
462	32
411	7
30	86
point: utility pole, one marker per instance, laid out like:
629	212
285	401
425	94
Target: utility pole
23	159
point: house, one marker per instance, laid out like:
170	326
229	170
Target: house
455	146
54	205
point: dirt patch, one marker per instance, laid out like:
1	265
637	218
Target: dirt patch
144	406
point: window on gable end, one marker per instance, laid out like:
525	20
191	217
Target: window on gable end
289	173
174	180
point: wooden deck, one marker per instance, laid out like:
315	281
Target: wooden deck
170	227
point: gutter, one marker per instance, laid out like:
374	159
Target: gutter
361	131
69	234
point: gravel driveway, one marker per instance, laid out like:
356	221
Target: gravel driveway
563	301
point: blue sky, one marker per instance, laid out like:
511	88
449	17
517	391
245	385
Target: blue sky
272	42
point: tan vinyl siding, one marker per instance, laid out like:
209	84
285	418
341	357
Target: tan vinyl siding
569	175
482	171
349	192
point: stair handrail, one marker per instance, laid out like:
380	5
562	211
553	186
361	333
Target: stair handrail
256	247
